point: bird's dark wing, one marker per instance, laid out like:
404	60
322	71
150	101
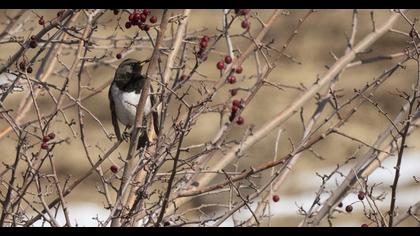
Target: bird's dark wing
114	115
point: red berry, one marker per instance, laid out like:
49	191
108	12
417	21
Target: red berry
233	92
234	109
114	169
153	19
143	17
236	103
361	195
131	17
22	65
245	24
128	25
33	44
231	79
276	197
136	17
41	21
364	225
243	12
44	146
29	70
60	13
204	44
51	135
349	208
146	12
45	139
183	77
205	38
220	65
116	11
340	204
240	120
228	59
118	56
238	69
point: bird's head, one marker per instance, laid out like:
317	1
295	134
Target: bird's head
128	70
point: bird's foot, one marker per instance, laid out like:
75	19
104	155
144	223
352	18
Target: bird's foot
126	136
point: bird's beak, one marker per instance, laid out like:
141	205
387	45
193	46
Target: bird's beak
143	62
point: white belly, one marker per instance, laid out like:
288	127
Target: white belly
126	105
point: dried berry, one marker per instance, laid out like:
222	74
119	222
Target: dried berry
45	139
349	208
41	21
44	146
29	70
51	135
276	198
361	195
233	92
245	24
118	56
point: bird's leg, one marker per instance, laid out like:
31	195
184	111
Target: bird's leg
126	134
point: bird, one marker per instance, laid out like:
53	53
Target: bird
124	94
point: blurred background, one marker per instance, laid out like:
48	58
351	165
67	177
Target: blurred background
322	33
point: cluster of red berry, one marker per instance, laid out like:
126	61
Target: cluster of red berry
139	18
204	43
22	66
236	105
33	42
245	24
45	140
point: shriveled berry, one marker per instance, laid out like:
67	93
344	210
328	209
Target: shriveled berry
146	12
220	65
114	169
29	70
349	208
45	139
166	223
143	17
231	117
276	198
231	79
183	77
238	69
116	11
33	44
146	27
245	24
118	56
128	25
228	59
22	65
233	92
364	225
41	21
153	19
203	44
361	195
340	204
44	146
240	120
51	135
